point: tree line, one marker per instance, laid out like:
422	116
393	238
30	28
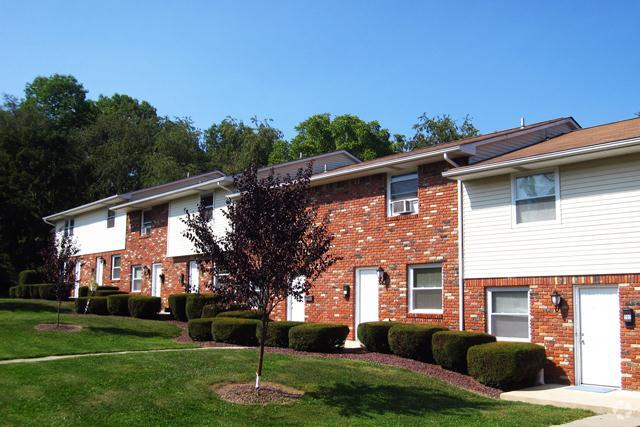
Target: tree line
60	149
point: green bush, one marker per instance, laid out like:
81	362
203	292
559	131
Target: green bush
118	304
20	291
106	293
107	288
234	330
450	348
46	291
144	307
178	306
83	291
28	277
277	333
200	329
375	336
506	365
319	337
97	305
195	302
13	291
241	314
413	341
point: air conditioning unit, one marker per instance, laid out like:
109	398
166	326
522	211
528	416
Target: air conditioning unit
401	207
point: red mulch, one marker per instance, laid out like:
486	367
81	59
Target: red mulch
53	327
246	394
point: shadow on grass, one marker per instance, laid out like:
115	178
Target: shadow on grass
111	330
355	399
33	306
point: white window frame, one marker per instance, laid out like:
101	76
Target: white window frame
489	312
410	270
113	266
133	268
209	208
390	177
69	225
514	213
142	222
111	215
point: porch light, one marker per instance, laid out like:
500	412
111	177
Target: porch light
629	317
380	272
345	291
556	300
162	278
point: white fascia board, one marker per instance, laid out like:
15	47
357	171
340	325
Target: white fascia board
107	201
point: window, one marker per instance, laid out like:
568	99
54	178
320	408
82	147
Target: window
403	194
111	219
136	278
145	223
425	289
535	197
206	201
508	310
115	267
69	223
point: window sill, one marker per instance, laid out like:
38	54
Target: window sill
435	315
402	217
506	339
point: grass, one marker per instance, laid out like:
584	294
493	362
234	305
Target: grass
19	339
174	388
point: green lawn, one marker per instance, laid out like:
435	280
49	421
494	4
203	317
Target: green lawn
173	389
18	338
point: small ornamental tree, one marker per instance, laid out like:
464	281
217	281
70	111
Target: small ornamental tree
59	257
275	247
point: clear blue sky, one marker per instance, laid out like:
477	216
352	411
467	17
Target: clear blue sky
286	60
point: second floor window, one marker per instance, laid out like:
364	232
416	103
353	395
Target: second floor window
146	224
206	201
69	223
111	219
403	194
535	197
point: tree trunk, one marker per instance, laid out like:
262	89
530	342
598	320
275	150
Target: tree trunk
58	320
263	335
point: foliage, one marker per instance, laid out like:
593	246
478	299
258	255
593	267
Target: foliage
96	305
413	341
118	304
374	336
59	259
144	307
277	333
241	314
318	337
106	293
450	348
200	329
234	330
506	365
437	130
178	305
107	288
195	303
83	291
28	277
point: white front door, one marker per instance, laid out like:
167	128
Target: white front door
598	336
366	296
194	277
76	279
99	270
295	309
156	282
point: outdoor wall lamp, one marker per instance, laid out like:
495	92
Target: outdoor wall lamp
629	317
162	278
147	270
346	290
556	300
382	277
182	279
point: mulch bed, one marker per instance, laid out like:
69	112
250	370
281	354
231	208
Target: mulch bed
246	394
53	327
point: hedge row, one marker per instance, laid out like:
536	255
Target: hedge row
33	291
139	306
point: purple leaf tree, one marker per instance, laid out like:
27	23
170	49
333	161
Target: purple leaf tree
59	258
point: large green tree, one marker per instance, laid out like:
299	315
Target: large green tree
437	130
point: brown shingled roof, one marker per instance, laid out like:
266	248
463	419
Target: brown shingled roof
580	138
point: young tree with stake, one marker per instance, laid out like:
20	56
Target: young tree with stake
59	258
275	247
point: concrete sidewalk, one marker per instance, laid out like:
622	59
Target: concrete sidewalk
624	403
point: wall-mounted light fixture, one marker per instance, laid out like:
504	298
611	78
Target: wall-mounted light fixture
629	317
556	300
380	272
346	290
182	279
162	278
147	270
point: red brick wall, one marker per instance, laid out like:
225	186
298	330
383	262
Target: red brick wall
554	330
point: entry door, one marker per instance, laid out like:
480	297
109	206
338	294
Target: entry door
194	277
598	336
99	270
76	279
366	296
156	283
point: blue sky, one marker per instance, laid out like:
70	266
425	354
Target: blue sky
381	60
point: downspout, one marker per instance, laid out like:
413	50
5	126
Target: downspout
223	187
460	250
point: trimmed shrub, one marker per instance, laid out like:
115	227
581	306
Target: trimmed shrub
319	337
28	277
241	314
20	291
83	291
118	304
178	306
45	291
277	333
97	305
374	336
13	291
107	288
234	330
506	365
195	302
200	329
106	293
450	348
144	307
413	341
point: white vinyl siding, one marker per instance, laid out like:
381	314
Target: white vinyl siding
177	244
597	231
91	234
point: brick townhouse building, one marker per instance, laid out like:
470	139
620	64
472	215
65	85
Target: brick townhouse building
504	219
